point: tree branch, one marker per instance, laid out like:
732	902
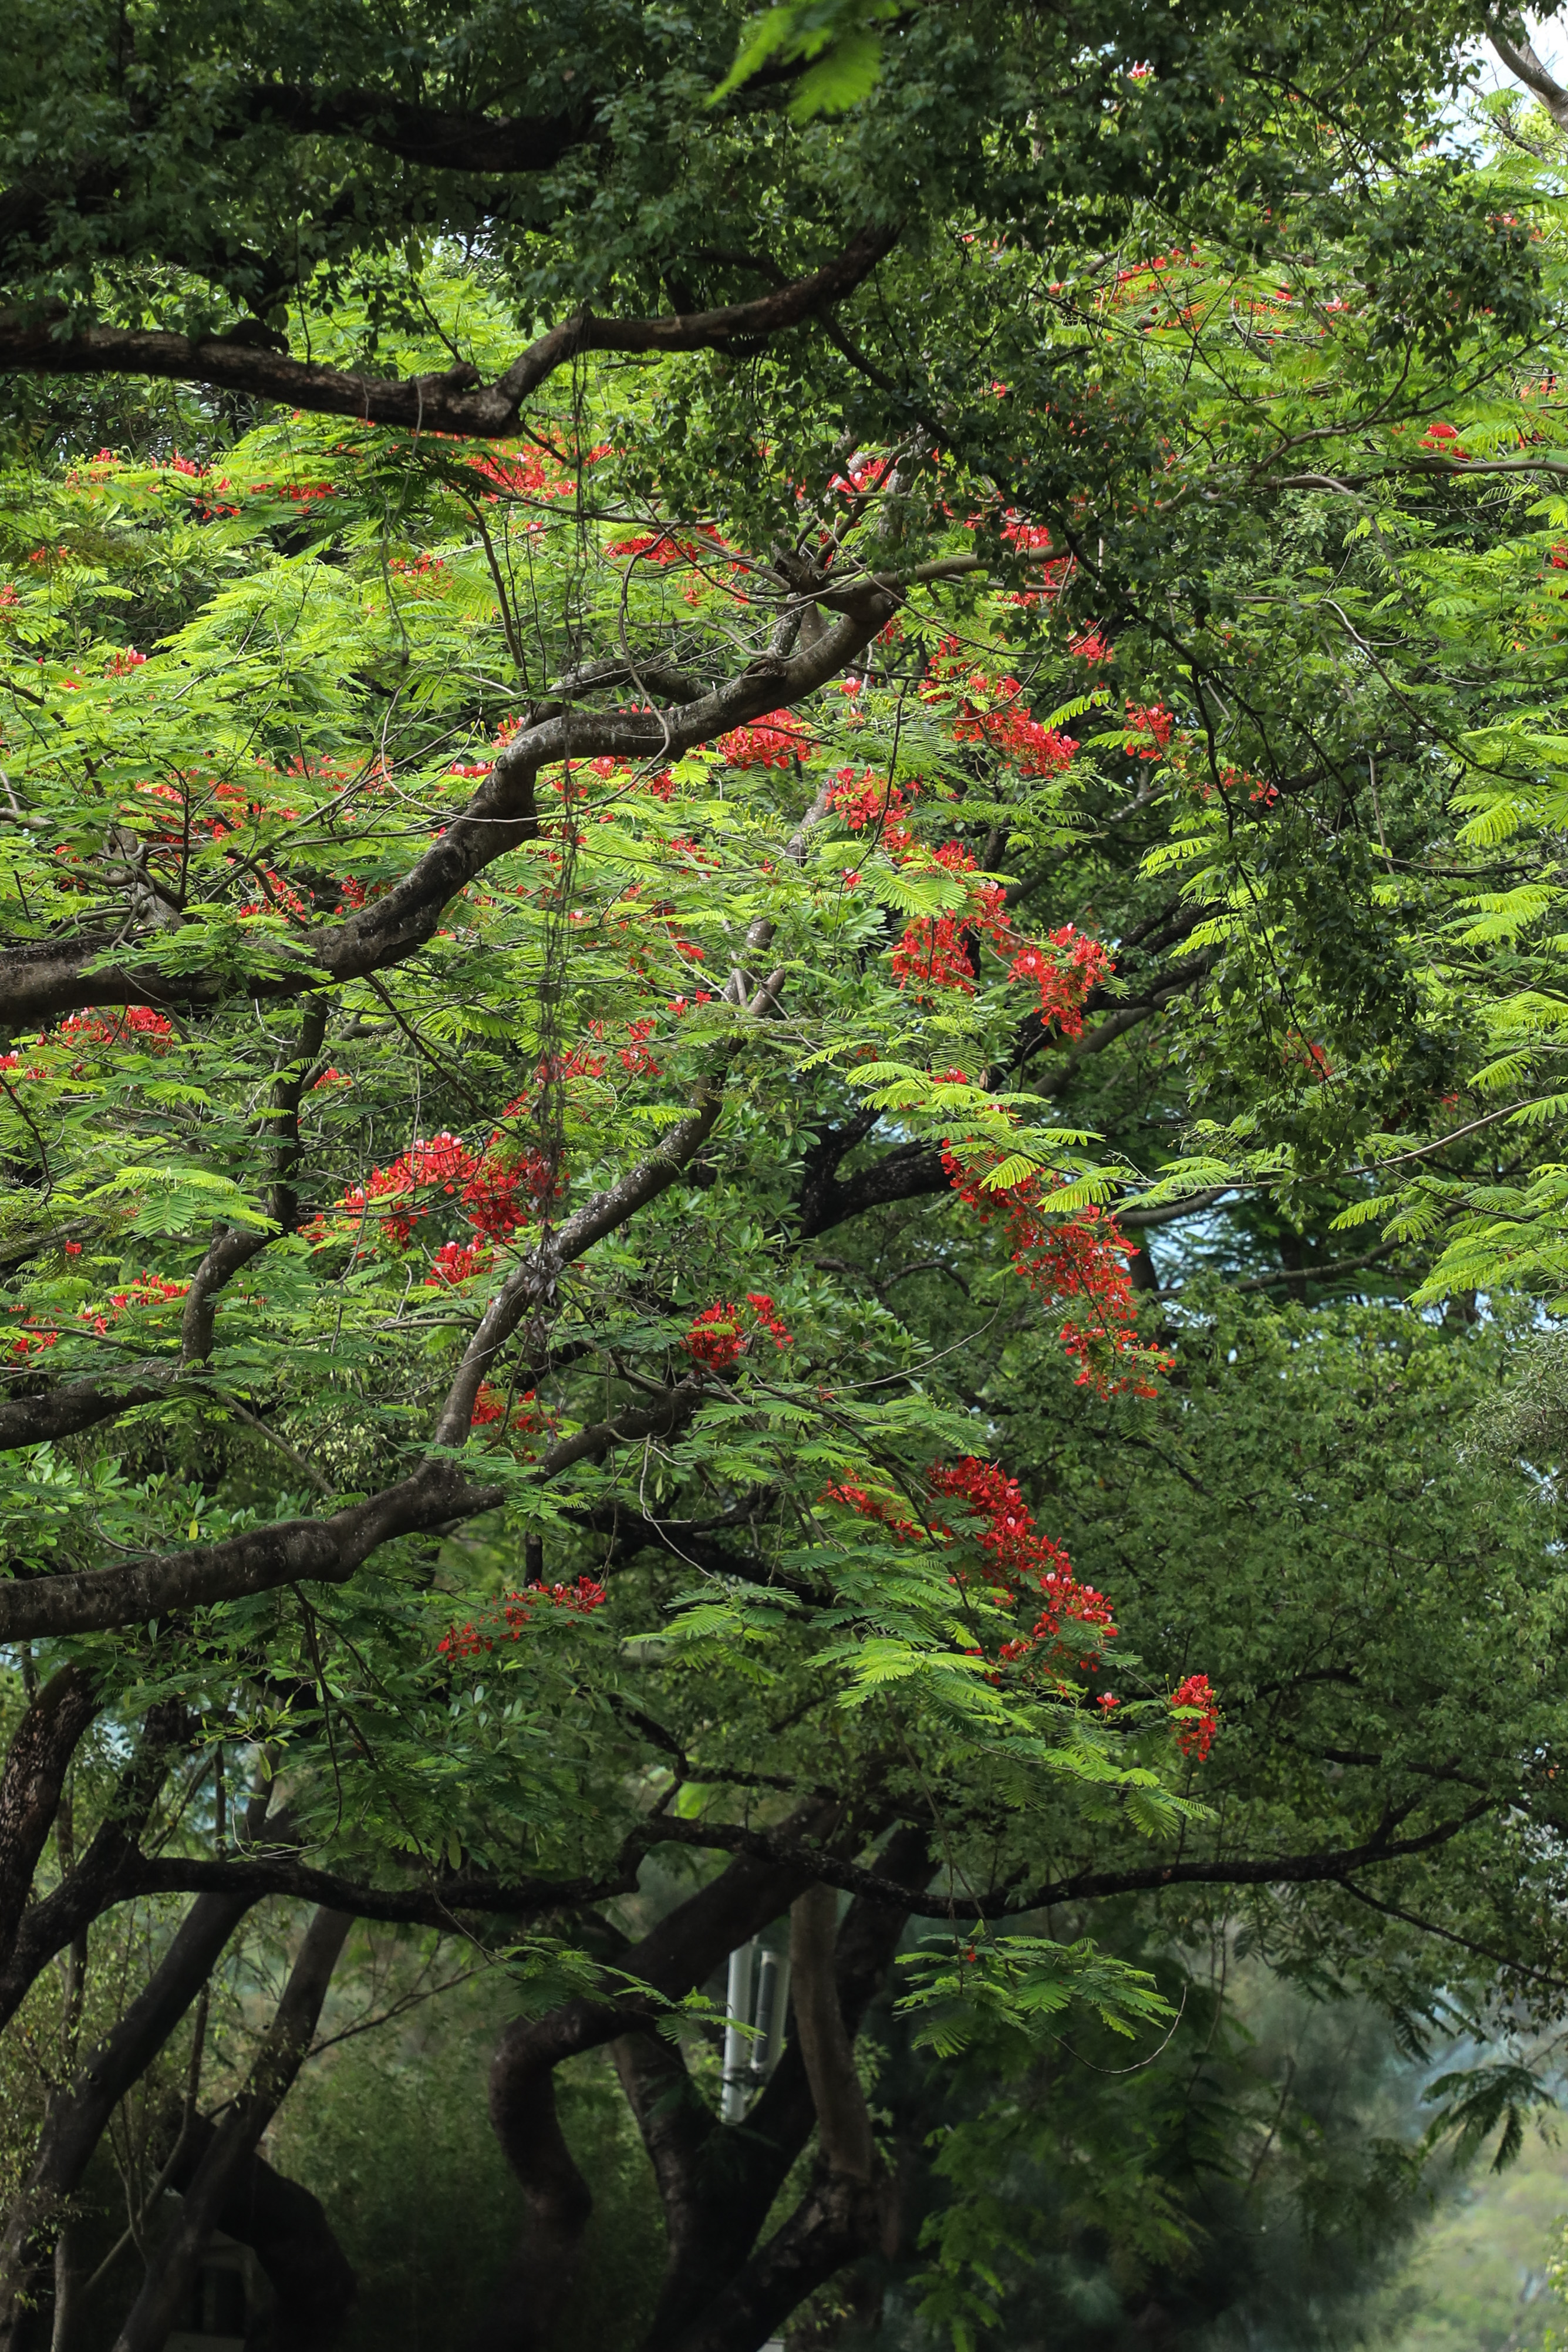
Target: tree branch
454	401
1521	61
844	2121
30	1784
37	983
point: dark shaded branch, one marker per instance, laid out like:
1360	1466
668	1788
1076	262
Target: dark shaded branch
43	1420
437	138
454	401
295	1551
288	2227
90	1889
79	2112
35	1770
662	1419
827	2051
672	1959
218	2172
1264	1869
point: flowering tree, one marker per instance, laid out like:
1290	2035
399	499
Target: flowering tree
391	1174
508	907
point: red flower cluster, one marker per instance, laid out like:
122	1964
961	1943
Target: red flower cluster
1065	979
1148	729
940	951
722	1332
992	710
1017	1560
131	1021
500	1189
868	800
1083	1256
523	476
513	1612
656	548
935	950
455	1262
772	742
635	1056
489	1407
1194	1737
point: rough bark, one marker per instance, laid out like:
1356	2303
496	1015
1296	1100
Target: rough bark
827	2050
1521	61
677	1956
717	2182
30	1785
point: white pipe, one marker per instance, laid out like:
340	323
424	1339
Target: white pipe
736	2043
772	1996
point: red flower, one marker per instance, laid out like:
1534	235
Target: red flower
772	742
513	1612
722	1332
1194	1735
1081	1256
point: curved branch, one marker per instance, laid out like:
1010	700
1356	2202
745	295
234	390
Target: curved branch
36	983
436	137
92	1887
455	401
1086	1887
30	1785
1521	61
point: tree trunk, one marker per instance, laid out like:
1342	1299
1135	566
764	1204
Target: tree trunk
227	2160
717	2182
292	2239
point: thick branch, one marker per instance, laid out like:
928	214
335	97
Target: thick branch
844	2123
1521	61
674	1957
92	1886
292	2239
314	1551
454	401
35	1771
77	2115
37	983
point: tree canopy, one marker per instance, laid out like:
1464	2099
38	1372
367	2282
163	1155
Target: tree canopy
638	975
